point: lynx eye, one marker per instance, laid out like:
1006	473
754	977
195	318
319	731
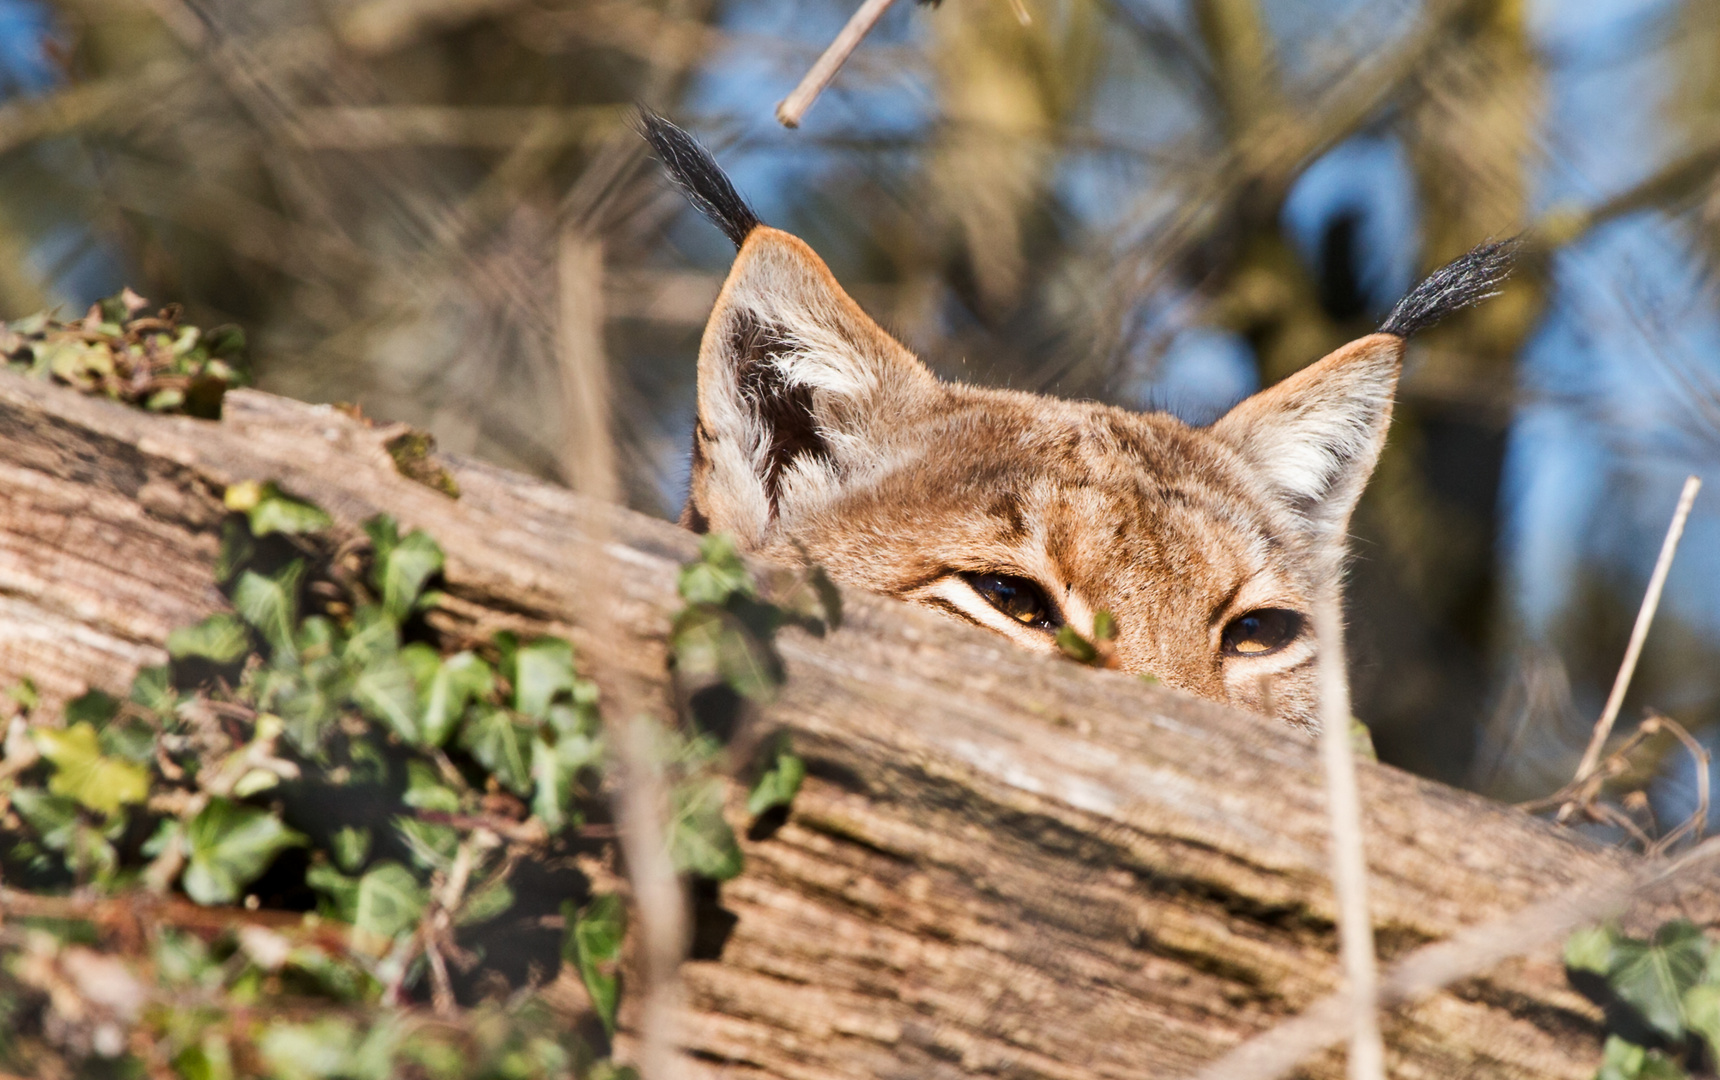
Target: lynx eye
1262	631
1017	597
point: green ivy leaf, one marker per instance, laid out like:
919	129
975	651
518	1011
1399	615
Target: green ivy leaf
225	342
317	637
425	790
779	784
384	691
445	688
1590	950
211	1058
811	601
401	565
153	690
350	845
1702	1013
53	817
229	846
485	902
543	668
271	606
221	638
341	890
78	363
237	545
1653	975
432	846
490	735
748	665
390	901
269	510
93	707
373	634
320	1050
557	759
23	692
306	700
84	773
1621	1060
593	943
700	840
129	739
717	575
712	641
1075	646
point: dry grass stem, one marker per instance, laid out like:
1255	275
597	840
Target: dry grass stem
1582	798
1639	632
658	903
588	450
1276	1053
791	108
641	798
1697	822
1349	859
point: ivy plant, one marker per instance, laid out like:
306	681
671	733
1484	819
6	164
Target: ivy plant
1662	995
122	351
349	794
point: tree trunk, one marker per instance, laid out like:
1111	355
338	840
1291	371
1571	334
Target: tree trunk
1000	864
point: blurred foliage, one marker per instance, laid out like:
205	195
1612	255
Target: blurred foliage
1661	994
408	202
295	851
115	350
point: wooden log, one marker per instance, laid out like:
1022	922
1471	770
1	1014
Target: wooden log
1000	864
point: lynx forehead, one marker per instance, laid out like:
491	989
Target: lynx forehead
820	436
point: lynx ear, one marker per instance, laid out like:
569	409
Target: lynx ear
1314	438
796	387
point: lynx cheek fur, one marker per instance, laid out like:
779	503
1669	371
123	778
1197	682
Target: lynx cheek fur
820	436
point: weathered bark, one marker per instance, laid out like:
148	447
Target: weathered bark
1000	864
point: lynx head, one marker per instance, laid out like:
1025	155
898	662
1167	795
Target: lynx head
820	436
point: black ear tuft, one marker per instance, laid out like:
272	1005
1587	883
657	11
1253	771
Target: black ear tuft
1467	279
699	176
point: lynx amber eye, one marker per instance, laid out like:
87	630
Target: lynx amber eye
1262	631
1016	597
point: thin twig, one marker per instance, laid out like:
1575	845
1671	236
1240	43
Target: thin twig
1697	822
791	108
438	923
657	897
588	449
1468	952
641	797
1349	860
1639	632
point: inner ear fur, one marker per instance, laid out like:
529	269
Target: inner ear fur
1315	437
795	385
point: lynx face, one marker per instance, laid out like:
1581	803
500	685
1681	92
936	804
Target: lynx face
820	436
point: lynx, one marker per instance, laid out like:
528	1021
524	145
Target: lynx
820	437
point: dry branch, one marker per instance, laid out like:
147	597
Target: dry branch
792	108
1639	630
998	864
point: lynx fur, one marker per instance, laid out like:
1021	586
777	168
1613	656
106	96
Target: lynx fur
821	437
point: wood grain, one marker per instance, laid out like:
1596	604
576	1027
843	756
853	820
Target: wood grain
1000	864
